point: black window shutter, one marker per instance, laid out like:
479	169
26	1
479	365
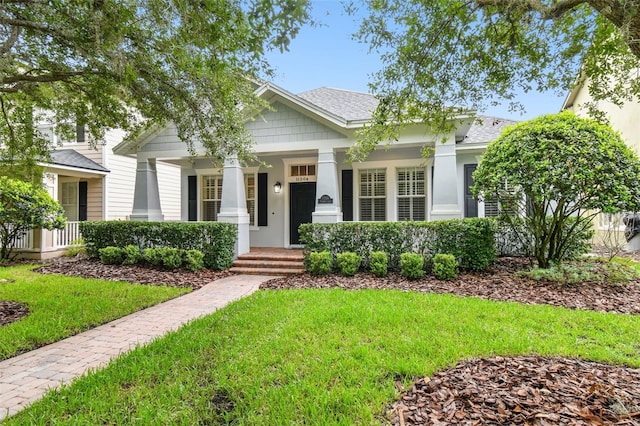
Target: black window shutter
192	207
262	199
82	200
347	195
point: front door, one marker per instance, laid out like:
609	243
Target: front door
302	202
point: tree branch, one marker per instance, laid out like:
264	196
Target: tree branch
548	12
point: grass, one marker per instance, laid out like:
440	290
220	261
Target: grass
321	357
62	306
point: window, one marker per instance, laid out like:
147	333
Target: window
250	191
411	194
69	200
372	197
211	196
303	170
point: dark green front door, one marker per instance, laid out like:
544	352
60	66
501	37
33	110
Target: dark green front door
302	202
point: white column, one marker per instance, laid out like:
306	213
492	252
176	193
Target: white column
233	205
445	181
327	208
146	196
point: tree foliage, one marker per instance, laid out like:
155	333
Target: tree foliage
24	206
132	64
443	56
560	170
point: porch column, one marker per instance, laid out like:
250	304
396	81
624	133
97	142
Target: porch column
327	208
146	196
445	181
233	205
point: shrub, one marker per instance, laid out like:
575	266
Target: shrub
320	263
111	255
411	265
470	240
445	266
24	206
557	168
194	260
132	255
349	263
378	261
171	257
153	255
215	239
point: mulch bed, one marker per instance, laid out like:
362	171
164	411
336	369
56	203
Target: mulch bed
528	390
498	283
12	311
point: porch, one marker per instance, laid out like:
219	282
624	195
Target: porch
43	244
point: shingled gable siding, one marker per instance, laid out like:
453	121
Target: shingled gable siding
284	124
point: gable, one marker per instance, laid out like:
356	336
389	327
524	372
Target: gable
285	125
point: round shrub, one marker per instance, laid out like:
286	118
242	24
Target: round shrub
320	263
132	255
411	265
349	263
378	263
445	266
111	255
194	260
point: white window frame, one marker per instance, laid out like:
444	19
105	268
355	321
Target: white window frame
217	196
390	166
411	191
372	184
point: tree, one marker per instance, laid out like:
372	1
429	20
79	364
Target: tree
443	56
561	170
24	206
132	64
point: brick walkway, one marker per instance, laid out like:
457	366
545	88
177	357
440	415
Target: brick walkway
25	378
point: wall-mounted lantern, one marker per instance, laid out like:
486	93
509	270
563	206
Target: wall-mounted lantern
277	187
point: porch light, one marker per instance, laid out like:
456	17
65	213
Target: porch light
277	187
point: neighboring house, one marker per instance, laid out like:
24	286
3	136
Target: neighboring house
624	120
92	184
304	139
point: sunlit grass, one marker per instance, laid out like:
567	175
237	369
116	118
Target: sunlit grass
322	357
62	306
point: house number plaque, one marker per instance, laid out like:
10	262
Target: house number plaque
325	199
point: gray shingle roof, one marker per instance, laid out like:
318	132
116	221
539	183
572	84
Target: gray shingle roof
72	158
487	130
346	104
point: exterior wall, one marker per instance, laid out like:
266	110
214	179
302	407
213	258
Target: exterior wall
94	199
625	120
120	183
287	126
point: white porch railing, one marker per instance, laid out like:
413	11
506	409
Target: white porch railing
64	237
24	243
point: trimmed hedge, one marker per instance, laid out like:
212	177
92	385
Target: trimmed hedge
471	240
215	239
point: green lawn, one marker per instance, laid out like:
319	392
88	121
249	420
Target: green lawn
321	357
62	306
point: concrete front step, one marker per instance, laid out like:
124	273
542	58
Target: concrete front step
266	271
293	257
264	263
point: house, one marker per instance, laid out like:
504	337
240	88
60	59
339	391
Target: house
92	184
304	139
624	119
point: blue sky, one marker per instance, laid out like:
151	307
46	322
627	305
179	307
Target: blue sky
327	56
